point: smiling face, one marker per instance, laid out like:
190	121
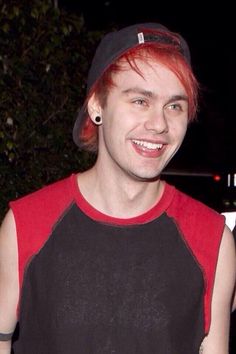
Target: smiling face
144	121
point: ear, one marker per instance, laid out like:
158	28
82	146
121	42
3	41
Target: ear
94	108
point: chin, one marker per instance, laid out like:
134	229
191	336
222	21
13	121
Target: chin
146	177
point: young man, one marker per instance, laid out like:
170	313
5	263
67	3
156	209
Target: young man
115	260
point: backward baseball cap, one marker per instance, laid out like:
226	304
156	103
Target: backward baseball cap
112	46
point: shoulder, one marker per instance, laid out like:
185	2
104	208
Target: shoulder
43	206
222	295
191	210
7	234
34	216
58	193
225	273
209	239
201	226
49	192
227	256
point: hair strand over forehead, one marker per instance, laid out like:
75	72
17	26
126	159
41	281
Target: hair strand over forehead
164	53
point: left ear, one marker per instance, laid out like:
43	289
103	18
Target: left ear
94	108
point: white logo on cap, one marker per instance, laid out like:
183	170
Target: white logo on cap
140	38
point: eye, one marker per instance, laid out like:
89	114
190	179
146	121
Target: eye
140	102
175	107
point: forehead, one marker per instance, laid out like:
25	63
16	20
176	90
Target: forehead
149	74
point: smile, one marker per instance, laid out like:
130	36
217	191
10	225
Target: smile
148	145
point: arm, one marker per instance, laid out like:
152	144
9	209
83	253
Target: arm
217	340
234	302
9	286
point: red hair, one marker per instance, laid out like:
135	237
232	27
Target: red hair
165	53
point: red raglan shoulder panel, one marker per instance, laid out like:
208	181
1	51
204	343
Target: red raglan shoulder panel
36	214
202	228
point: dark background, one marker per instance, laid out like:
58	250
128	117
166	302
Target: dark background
211	37
209	148
209	28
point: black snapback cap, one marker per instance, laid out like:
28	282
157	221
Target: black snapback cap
116	43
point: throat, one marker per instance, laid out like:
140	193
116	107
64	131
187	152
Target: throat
121	200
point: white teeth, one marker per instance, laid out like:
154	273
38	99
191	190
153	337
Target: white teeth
148	145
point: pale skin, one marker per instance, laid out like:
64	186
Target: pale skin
234	300
9	288
143	125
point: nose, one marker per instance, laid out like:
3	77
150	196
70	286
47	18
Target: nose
156	121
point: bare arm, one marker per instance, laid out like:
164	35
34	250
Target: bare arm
234	297
9	288
217	341
234	301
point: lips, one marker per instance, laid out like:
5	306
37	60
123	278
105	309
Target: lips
148	148
148	144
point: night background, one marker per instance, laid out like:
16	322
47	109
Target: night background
44	61
210	145
41	86
210	34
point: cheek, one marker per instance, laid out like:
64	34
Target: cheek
183	128
116	124
178	128
111	132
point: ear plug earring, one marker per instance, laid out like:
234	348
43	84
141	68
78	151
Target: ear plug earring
98	120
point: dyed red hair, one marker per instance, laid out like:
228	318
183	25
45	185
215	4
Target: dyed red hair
167	54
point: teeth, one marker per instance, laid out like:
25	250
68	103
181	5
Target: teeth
148	145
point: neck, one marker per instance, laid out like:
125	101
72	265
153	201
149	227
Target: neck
124	197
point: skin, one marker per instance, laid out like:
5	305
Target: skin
234	302
9	285
144	123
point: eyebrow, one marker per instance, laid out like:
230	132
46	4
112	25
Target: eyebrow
151	94
139	91
178	98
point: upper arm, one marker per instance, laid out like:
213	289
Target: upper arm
9	283
217	340
234	301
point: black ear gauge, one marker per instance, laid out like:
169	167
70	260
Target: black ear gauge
98	120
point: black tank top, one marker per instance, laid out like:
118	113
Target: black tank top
101	288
